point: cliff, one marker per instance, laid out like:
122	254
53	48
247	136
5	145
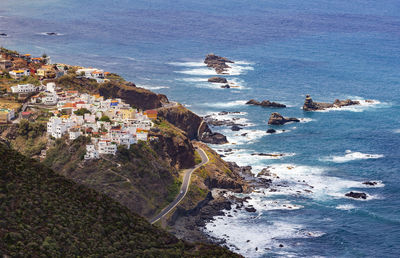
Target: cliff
200	205
45	214
115	88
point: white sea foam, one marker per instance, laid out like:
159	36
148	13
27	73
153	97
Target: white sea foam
291	179
228	104
152	87
188	64
251	235
199	71
350	156
237	69
306	120
396	131
245	158
345	207
195	79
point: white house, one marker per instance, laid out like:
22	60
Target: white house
92	73
50	99
23	88
51	87
73	134
91	152
61	129
17	74
142	136
107	147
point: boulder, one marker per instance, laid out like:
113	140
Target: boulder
250	209
226	86
213	138
370	183
236	128
278	119
357	195
218	80
271	130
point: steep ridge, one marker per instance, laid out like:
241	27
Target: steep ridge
45	214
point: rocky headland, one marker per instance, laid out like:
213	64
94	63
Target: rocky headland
278	119
196	127
310	105
218	63
265	103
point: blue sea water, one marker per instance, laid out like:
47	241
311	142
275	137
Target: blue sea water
284	50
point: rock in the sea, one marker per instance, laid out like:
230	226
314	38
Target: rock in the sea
218	80
226	86
310	105
357	195
250	209
278	119
51	33
218	63
271	130
265	103
370	183
236	128
3	34
264	172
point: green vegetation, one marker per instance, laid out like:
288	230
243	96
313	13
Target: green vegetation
82	111
105	119
31	138
45	214
138	178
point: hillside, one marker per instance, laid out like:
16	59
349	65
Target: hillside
144	178
45	214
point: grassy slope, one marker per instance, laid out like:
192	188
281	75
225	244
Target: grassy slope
44	214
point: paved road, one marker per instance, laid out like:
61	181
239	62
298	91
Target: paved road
184	187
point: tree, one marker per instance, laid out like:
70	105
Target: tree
105	119
82	111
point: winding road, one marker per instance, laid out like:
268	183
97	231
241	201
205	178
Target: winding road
184	187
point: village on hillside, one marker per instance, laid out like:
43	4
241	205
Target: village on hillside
109	122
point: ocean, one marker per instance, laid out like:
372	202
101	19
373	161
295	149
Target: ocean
283	49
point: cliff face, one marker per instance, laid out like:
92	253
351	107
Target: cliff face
192	124
182	118
138	97
45	214
173	145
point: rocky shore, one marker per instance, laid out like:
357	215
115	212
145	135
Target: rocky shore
218	63
310	105
265	103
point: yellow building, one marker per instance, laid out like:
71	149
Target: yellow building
128	113
46	71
